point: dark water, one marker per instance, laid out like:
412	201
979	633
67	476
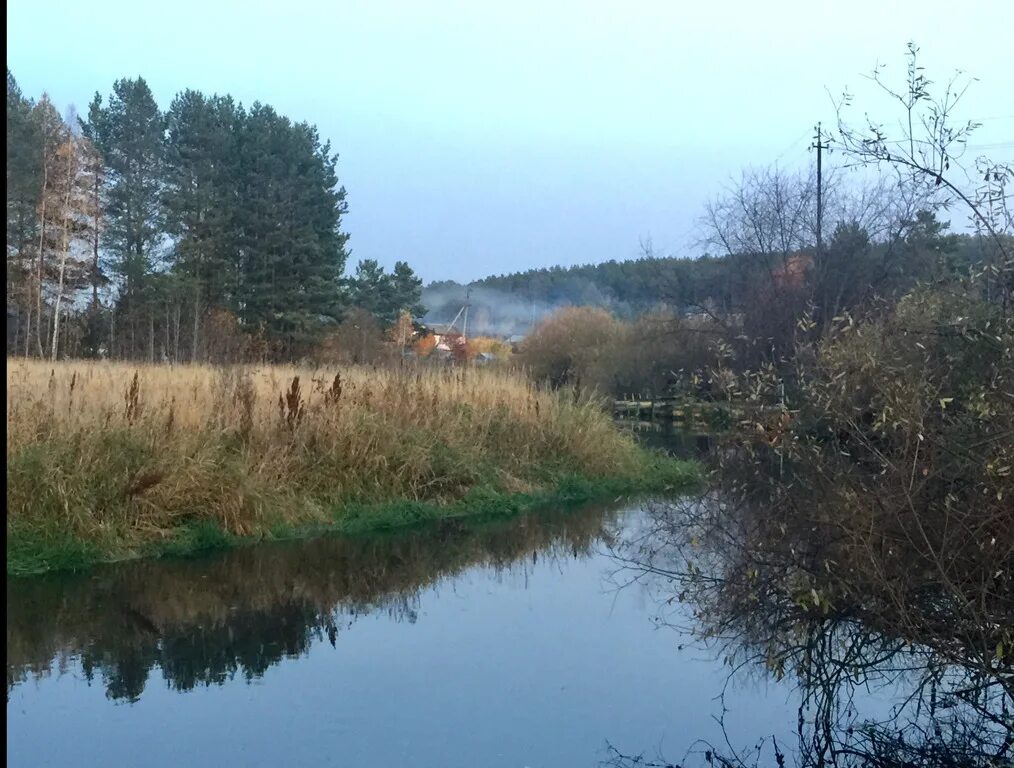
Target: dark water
497	644
670	439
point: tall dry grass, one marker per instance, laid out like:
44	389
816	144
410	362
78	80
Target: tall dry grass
120	455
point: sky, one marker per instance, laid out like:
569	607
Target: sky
481	138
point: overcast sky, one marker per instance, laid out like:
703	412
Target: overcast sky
486	137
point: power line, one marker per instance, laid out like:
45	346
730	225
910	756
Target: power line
793	145
997	145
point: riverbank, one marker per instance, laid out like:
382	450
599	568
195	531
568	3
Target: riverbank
110	461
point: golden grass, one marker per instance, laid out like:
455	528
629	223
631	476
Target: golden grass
121	455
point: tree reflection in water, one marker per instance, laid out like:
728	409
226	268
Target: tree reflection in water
772	588
204	622
773	593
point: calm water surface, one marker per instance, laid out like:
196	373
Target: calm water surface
496	644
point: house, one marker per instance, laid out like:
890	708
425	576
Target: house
792	274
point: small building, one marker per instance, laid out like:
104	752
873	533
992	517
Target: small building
515	341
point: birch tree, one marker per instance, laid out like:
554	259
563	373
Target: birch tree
74	214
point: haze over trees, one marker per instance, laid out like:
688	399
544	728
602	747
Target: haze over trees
209	231
514	303
746	307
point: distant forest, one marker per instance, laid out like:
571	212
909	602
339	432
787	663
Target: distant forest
513	303
210	231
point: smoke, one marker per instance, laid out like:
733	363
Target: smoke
491	312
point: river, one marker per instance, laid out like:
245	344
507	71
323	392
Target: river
505	643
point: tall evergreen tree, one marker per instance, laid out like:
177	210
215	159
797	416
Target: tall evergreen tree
407	290
202	196
23	168
386	296
293	249
128	130
373	292
24	187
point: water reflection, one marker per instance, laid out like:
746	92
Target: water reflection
729	571
671	439
204	622
877	687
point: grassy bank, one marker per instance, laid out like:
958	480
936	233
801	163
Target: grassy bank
111	461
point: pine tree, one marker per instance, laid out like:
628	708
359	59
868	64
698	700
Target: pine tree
373	291
386	296
23	168
293	249
129	132
24	186
407	290
95	171
202	196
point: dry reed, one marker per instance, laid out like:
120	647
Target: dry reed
122	455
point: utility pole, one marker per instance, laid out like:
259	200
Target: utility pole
464	322
820	146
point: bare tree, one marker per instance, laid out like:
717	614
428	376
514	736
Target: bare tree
767	222
767	216
927	147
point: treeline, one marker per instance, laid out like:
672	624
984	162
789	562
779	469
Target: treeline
626	287
766	300
210	231
514	303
